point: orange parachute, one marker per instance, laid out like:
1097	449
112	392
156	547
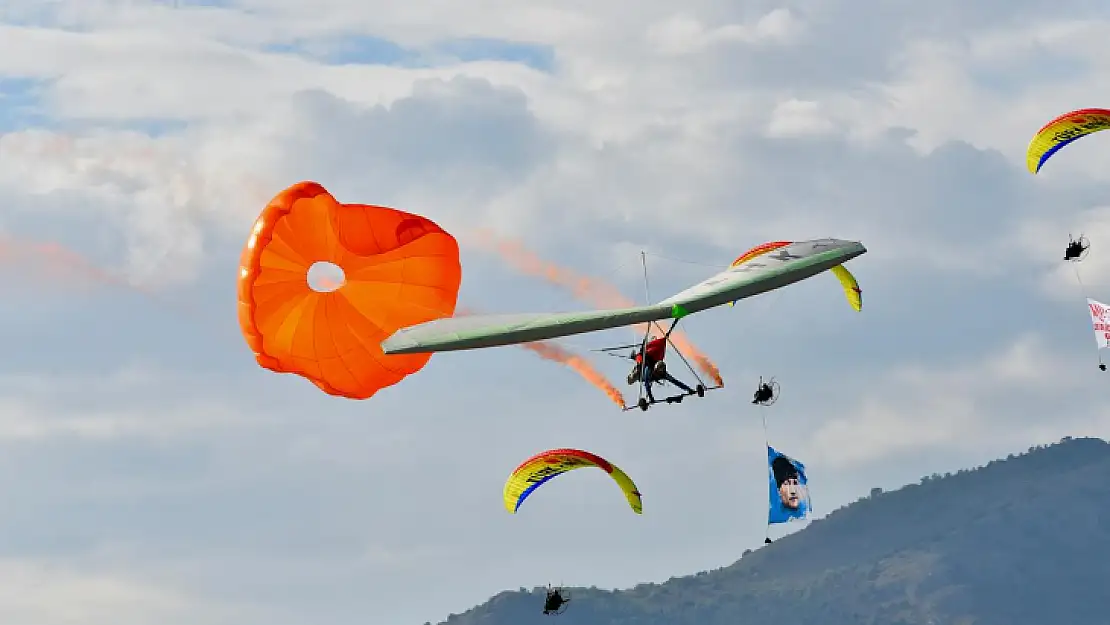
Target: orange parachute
395	269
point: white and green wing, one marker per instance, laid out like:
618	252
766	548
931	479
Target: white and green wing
784	266
477	331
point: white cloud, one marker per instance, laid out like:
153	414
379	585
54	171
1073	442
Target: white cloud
1045	237
794	118
25	421
688	133
115	405
1037	71
682	34
922	408
46	593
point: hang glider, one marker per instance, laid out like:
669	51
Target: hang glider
783	266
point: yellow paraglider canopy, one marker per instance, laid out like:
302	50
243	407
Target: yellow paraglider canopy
1061	131
851	287
537	470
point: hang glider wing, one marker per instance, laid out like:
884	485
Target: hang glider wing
477	331
784	266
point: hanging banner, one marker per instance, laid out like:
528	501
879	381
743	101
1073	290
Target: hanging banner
789	493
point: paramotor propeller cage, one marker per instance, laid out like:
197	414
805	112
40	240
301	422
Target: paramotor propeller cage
563	594
1084	248
773	385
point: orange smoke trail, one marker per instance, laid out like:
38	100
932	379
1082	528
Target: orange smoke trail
555	353
55	262
551	351
585	288
140	157
591	290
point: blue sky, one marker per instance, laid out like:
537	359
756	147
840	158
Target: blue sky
20	104
363	50
154	473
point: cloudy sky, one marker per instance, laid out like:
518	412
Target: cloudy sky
151	472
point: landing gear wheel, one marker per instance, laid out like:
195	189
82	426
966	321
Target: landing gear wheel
643	403
700	390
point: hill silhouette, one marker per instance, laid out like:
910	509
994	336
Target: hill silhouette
1020	541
